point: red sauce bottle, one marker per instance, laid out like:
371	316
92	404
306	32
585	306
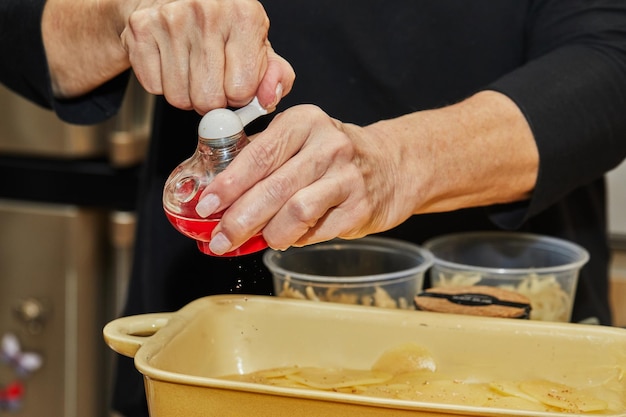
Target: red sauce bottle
220	139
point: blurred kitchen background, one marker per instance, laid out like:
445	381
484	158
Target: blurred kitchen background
67	198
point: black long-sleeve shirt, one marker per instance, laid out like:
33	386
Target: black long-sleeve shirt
562	61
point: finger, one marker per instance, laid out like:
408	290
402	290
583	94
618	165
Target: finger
250	213
175	74
335	205
277	81
193	58
143	54
282	139
207	56
246	52
206	75
294	197
304	212
332	225
319	212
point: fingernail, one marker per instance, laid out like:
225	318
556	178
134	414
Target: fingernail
278	94
207	205
219	244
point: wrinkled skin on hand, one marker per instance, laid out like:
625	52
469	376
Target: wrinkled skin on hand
322	179
313	183
309	178
199	54
204	54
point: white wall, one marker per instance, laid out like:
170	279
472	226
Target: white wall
617	202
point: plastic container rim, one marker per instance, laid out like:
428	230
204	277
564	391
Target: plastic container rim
575	249
382	244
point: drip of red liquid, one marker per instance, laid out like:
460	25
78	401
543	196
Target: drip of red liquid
198	228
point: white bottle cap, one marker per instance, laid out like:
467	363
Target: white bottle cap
223	123
219	123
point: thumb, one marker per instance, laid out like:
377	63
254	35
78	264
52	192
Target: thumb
277	81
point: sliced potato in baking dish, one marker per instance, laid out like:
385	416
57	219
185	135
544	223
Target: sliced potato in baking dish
511	388
409	372
335	378
278	372
274	376
562	396
408	357
405	385
516	403
418	378
449	392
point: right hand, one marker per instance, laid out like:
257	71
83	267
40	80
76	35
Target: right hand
204	54
199	54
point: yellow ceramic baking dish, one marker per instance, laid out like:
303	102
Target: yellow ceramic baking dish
182	355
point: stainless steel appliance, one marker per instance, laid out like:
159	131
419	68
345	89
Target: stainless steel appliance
67	197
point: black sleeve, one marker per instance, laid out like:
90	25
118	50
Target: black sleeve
24	68
573	93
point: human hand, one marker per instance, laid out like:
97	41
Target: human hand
200	54
309	178
204	54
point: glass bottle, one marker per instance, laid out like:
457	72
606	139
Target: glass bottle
220	138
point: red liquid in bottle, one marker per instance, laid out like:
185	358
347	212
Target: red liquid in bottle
190	224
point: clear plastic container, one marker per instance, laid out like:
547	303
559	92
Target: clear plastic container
545	269
373	271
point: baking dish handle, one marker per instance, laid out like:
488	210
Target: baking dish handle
126	335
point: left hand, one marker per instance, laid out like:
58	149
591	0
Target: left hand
309	178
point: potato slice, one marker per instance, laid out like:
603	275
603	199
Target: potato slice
277	372
335	378
449	392
274	376
562	396
404	385
516	403
417	378
409	357
511	388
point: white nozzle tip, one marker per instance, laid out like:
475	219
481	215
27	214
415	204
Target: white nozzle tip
251	111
